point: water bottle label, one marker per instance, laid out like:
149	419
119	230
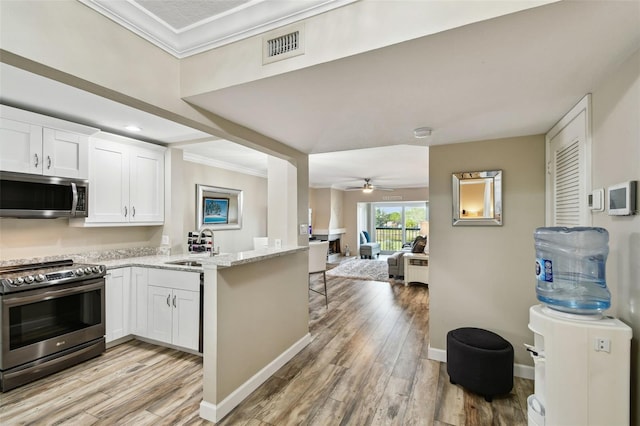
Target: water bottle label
544	270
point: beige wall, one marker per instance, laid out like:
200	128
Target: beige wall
615	159
29	238
320	204
183	204
482	276
265	312
327	207
332	35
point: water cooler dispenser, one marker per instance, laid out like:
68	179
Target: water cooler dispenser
582	367
581	357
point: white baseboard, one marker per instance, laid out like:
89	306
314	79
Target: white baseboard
524	371
437	354
519	370
215	413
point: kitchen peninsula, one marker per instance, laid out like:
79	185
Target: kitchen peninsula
255	317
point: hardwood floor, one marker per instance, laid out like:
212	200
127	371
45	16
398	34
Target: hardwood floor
366	365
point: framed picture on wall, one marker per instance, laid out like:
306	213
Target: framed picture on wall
218	208
215	210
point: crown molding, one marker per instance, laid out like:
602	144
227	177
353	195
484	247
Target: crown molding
207	161
239	23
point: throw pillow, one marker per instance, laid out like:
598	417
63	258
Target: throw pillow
419	244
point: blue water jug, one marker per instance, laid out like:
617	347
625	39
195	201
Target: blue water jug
570	269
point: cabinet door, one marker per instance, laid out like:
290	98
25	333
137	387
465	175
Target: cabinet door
117	303
20	147
186	318
109	182
65	154
147	186
138	301
159	311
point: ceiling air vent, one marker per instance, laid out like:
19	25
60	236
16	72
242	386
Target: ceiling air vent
283	44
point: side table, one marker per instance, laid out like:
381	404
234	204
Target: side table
416	268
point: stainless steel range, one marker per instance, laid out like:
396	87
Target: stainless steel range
51	317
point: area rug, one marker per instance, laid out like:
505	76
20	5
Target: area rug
375	270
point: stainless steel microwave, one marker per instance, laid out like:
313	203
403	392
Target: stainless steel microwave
25	195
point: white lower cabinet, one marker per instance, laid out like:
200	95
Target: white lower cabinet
173	307
117	304
138	301
158	304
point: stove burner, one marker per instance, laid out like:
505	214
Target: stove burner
26	277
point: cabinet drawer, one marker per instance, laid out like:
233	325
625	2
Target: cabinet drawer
419	262
183	280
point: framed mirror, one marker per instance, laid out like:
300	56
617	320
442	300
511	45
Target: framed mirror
477	198
218	208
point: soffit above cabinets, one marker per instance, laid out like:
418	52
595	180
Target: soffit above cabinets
185	28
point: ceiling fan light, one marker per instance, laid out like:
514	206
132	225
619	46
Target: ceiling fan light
422	132
367	190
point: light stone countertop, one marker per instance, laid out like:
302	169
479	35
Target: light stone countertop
222	260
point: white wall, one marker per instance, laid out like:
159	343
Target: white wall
615	159
483	276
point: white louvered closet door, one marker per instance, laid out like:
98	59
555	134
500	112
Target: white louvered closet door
569	168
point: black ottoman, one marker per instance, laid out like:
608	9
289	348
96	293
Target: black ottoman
480	361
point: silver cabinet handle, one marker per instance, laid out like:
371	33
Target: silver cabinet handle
125	211
133	211
74	198
168	298
36	160
174	302
48	162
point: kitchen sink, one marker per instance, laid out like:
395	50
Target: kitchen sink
185	263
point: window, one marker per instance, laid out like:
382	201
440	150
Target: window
398	223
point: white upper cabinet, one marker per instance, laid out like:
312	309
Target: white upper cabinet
64	154
146	185
109	181
126	184
20	147
37	144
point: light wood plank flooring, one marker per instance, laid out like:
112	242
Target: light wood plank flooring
366	365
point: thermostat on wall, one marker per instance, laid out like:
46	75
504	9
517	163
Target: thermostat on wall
622	198
596	200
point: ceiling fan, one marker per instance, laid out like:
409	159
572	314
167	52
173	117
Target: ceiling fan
368	187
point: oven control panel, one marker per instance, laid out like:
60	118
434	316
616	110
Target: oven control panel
17	280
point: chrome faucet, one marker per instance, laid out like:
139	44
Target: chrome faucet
203	231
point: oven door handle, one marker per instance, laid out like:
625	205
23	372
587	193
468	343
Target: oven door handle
21	299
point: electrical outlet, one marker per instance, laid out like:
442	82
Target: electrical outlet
603	345
165	240
304	229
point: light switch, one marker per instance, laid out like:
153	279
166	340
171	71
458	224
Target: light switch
304	229
596	200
